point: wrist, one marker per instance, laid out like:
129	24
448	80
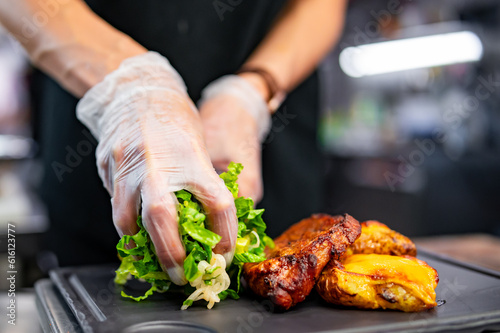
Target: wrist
80	58
258	82
264	82
135	79
78	68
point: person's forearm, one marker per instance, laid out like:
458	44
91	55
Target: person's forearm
302	35
68	41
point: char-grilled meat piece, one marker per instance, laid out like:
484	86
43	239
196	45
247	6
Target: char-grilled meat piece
300	254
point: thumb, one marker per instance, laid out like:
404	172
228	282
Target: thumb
250	179
250	182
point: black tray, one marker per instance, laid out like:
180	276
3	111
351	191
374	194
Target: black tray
85	299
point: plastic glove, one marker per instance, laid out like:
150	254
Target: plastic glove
151	145
235	121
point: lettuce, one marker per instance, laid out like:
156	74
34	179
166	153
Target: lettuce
139	260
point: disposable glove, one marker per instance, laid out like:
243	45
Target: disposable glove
151	145
235	121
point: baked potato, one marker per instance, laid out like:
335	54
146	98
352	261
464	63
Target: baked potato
373	281
377	238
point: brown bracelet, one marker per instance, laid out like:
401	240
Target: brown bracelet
276	95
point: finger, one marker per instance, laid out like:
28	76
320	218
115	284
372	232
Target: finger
250	180
124	191
160	219
250	185
218	202
105	167
125	205
220	166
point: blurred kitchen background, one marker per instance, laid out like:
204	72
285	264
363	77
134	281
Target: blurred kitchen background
412	129
412	137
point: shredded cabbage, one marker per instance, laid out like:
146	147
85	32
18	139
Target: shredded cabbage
212	280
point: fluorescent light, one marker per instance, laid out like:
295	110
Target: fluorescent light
411	53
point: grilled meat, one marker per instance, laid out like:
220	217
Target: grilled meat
372	281
299	256
377	238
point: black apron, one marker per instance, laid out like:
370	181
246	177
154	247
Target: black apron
203	39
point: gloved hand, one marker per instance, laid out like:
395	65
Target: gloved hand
151	145
236	120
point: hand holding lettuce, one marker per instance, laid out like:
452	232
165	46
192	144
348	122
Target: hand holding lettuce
206	272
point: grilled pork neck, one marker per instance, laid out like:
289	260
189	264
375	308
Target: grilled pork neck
299	256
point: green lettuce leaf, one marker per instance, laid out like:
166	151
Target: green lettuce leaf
228	293
139	260
200	234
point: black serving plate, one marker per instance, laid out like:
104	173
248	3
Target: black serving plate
85	299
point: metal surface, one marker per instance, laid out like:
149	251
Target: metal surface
471	295
53	312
